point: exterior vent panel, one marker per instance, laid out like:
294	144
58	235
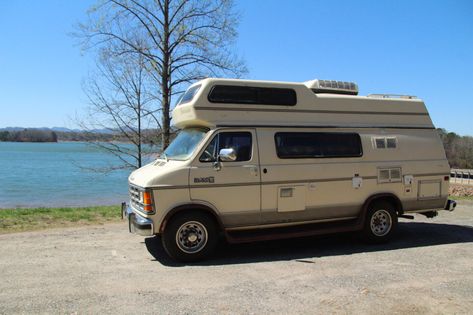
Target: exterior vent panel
384	175
396	174
389	175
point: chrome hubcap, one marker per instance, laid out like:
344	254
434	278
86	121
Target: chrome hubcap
381	222
191	237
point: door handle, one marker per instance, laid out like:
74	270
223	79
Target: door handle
253	169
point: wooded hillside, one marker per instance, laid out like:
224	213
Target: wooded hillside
29	135
47	135
459	149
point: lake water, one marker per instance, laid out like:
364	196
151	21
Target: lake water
52	174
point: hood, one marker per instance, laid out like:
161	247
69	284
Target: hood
161	173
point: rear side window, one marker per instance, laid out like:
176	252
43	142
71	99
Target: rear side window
252	95
239	141
385	142
291	145
189	95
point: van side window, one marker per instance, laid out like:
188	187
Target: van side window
252	95
239	141
385	142
210	151
292	145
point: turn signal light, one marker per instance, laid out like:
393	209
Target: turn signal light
147	202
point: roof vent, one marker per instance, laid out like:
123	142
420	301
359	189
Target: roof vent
334	87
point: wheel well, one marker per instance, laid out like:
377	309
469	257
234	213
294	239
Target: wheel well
387	197
194	208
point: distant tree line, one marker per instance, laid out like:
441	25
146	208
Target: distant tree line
86	136
42	135
459	149
29	135
149	136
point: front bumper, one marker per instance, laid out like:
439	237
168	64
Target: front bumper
450	205
137	224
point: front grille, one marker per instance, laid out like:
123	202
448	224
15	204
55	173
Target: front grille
135	198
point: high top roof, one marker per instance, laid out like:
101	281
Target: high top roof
230	102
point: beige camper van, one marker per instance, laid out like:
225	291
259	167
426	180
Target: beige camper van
259	160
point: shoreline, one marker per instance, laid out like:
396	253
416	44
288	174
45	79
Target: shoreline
30	219
91	204
106	202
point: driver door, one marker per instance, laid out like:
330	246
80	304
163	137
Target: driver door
231	187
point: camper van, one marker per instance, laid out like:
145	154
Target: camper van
261	160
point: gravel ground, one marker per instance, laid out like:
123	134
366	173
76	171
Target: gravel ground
460	190
428	269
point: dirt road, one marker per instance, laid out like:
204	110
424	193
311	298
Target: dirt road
103	269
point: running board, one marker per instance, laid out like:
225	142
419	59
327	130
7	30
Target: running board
274	233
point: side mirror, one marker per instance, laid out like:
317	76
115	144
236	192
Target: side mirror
227	155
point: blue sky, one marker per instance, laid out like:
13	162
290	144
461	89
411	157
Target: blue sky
423	48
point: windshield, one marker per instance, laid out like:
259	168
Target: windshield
185	143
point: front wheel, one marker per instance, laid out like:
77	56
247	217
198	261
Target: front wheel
380	223
190	236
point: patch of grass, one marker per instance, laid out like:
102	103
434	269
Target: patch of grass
27	219
461	197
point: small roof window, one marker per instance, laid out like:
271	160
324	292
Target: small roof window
189	95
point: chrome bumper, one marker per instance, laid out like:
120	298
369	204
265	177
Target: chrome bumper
137	224
450	205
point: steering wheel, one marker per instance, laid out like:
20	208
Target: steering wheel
207	156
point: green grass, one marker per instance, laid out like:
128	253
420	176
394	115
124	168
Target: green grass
461	197
28	219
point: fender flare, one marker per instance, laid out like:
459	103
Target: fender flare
381	196
191	206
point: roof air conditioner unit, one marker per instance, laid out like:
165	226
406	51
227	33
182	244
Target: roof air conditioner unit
334	87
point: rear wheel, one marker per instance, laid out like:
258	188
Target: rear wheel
380	223
190	236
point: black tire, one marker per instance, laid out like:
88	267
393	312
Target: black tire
380	223
190	236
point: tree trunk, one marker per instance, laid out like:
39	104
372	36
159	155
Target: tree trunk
165	77
140	137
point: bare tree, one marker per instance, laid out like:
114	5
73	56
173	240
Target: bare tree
180	40
120	103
